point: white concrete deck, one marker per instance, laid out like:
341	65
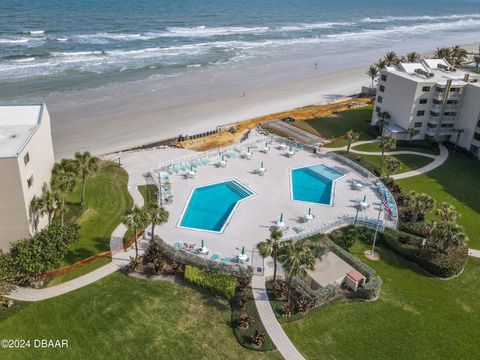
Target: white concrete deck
253	217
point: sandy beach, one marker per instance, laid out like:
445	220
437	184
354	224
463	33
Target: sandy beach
117	117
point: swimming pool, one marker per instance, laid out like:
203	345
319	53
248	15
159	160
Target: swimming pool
209	207
314	183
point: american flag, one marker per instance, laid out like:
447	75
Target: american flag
385	204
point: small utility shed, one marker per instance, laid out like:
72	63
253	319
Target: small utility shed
329	269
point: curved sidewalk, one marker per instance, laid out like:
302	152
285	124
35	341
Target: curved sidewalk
120	258
269	320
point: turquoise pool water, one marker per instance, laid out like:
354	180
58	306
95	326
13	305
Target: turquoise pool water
314	183
210	206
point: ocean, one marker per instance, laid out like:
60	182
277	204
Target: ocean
56	45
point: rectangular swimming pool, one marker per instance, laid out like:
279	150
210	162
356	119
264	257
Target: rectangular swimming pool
314	183
209	207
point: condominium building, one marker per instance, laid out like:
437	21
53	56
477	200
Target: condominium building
26	161
430	100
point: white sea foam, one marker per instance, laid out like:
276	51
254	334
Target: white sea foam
28	59
36	32
416	18
14	41
203	31
62	39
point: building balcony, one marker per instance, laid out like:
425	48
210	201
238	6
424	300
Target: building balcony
445	120
437	107
438	95
455	95
444	131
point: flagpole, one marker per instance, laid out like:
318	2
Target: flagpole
376	229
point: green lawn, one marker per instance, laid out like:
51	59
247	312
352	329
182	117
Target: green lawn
373	162
77	272
120	317
375	147
107	198
335	126
416	317
408	162
455	182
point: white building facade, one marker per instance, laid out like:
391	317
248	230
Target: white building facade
430	100
26	161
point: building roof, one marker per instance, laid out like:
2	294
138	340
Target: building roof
17	124
355	275
432	71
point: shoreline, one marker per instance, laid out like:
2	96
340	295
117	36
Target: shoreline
132	115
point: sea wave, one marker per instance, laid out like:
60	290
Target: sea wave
14	41
387	19
204	31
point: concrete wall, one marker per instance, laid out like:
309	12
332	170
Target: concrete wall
468	117
16	221
400	100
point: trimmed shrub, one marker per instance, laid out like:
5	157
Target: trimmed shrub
437	263
221	284
30	258
444	265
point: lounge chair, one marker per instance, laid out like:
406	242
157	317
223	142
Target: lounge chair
179	246
215	257
226	260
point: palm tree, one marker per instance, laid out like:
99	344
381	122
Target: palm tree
459	132
296	258
351	136
47	203
85	165
270	247
384	116
476	59
373	73
156	215
391	164
391	58
458	55
447	213
445	235
411	133
413	57
443	53
387	144
381	64
135	219
63	181
420	203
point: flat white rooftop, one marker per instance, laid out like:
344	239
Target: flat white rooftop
436	67
17	124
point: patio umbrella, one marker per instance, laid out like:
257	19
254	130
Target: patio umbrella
309	211
365	198
203	244
261	165
281	218
243	250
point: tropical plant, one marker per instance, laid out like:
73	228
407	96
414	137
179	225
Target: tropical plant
391	58
447	213
391	165
420	204
372	72
412	57
156	215
47	203
459	55
387	143
303	304
411	133
270	247
384	116
381	64
258	338
279	290
476	59
296	258
243	321
85	165
63	181
351	136
135	219
444	235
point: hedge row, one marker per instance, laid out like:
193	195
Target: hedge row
219	283
187	258
440	264
320	296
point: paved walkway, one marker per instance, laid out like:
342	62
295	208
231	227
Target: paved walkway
474	253
119	259
269	320
438	159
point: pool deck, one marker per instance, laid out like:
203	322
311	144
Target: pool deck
251	221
